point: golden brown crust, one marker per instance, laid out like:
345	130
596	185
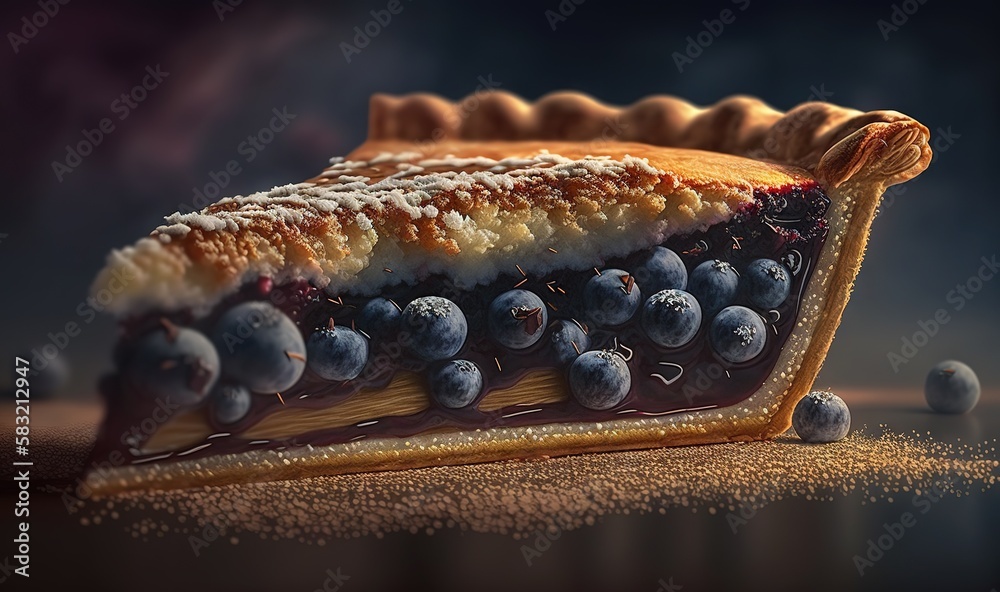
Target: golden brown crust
811	134
854	156
844	252
683	167
659	147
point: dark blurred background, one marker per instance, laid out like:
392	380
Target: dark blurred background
225	65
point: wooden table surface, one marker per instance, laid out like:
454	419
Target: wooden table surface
791	544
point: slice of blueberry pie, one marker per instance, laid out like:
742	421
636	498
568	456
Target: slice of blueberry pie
499	282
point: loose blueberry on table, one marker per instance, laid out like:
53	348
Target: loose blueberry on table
952	387
627	337
821	417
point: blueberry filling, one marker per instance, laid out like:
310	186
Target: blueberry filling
671	318
379	318
336	353
173	364
433	328
714	284
599	379
611	297
569	339
260	347
517	319
230	403
455	384
637	335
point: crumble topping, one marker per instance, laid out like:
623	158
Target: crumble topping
412	216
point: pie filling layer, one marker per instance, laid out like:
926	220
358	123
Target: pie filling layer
519	361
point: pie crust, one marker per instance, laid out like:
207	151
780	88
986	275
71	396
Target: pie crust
441	187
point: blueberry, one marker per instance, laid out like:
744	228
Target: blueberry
517	319
714	284
599	379
434	328
821	417
952	387
661	269
564	335
337	353
737	334
456	383
260	347
612	297
230	403
671	318
379	318
767	283
174	363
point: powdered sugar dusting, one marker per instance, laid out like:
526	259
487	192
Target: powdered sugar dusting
671	298
408	189
614	208
430	306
